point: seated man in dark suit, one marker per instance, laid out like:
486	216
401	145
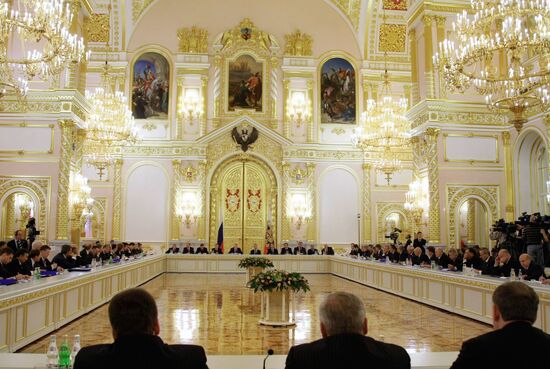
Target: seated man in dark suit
312	250
19	264
217	249
518	343
344	344
327	250
173	250
255	250
471	259
134	320
420	258
18	242
44	263
530	270
285	249
86	250
202	249
106	252
300	249
441	259
65	258
504	264
6	257
455	262
188	249
272	250
487	261
235	249
34	258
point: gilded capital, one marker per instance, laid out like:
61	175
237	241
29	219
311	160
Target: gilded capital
432	132
506	138
298	44
412	33
193	40
367	166
440	20
427	20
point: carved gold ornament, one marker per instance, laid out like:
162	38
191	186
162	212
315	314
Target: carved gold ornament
298	44
392	38
395	4
97	28
193	40
190	174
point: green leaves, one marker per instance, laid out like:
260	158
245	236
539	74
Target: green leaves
278	280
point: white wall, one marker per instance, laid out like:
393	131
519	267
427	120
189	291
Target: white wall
146	205
338	207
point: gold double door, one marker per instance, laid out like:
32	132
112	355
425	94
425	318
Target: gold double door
246	201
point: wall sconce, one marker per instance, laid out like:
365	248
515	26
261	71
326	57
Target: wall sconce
79	194
300	212
25	206
298	109
188	207
416	200
191	104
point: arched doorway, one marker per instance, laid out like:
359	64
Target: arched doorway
243	195
473	222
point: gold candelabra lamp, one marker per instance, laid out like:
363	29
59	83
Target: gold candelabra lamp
35	42
501	49
80	203
188	207
299	211
25	205
416	202
191	103
298	110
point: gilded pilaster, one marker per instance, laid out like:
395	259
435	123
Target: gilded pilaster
179	119
204	118
174	219
428	55
440	27
285	229
65	159
432	135
10	217
286	123
202	227
471	221
78	145
414	67
508	169
367	228
312	226
117	199
311	122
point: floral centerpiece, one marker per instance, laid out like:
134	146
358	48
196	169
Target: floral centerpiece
255	262
278	280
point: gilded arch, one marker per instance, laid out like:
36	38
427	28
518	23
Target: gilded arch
40	188
456	195
383	209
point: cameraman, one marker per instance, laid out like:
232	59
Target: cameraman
498	234
532	235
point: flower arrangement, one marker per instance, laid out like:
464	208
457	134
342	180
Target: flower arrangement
255	262
278	280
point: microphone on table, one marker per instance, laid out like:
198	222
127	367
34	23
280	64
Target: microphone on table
269	353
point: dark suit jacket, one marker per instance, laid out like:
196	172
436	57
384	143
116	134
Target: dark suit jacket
64	262
443	261
487	266
23	245
44	264
15	267
419	260
475	263
272	251
202	250
5	272
255	252
505	269
188	250
347	351
287	250
519	345
533	272
300	250
330	251
173	251
235	251
140	352
313	252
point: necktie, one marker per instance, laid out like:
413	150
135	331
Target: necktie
18	243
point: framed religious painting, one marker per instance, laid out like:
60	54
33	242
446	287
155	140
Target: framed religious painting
245	83
338	92
151	87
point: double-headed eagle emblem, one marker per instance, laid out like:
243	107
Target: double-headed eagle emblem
244	136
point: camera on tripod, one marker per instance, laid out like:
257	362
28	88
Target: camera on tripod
394	235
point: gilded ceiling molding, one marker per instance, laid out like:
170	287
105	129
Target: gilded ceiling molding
138	7
298	44
392	38
352	9
193	40
456	195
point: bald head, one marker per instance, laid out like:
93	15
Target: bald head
504	255
342	312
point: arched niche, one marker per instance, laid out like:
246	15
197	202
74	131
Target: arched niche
473	222
389	216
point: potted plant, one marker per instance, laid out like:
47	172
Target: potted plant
275	286
255	265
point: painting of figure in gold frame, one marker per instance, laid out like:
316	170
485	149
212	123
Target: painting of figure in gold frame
245	82
151	87
338	95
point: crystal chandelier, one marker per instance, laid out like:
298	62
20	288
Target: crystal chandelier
44	23
502	50
416	202
388	164
79	195
109	123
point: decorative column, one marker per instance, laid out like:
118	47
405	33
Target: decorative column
431	137
508	170
312	226
428	55
285	226
117	199
179	118
440	27
471	222
10	217
78	148
286	123
415	96
174	223
310	122
367	228
204	118
65	156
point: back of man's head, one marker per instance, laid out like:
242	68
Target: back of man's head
515	301
133	311
342	312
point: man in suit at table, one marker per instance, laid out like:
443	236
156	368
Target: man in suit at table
327	250
255	250
300	249
135	326
504	264
487	261
312	250
202	249
285	249
45	263
19	264
187	249
173	250
529	270
344	344
519	344
272	250
235	249
65	258
18	242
